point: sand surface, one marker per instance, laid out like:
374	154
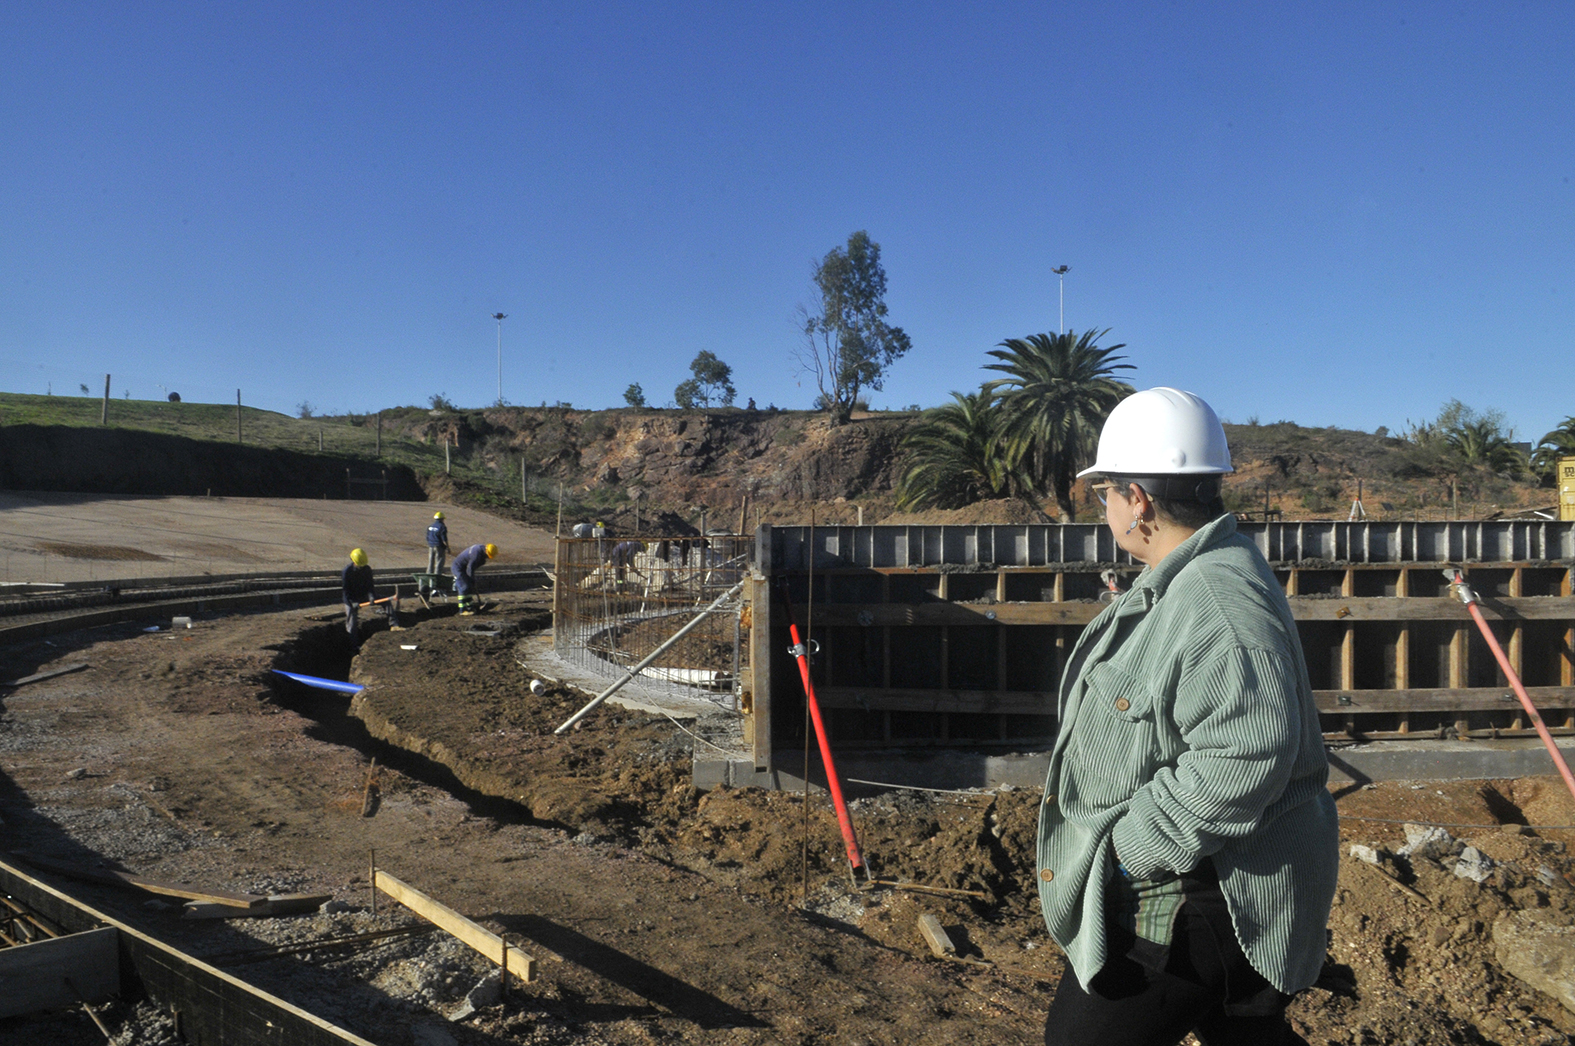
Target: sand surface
53	537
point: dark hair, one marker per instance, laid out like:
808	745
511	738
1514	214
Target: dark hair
1187	501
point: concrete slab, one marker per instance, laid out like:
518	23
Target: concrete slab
962	769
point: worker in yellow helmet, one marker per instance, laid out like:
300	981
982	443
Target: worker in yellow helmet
360	591
437	544
465	566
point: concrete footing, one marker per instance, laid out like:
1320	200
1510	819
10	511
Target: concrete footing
963	769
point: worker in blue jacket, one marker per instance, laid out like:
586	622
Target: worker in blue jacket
360	590
465	566
437	544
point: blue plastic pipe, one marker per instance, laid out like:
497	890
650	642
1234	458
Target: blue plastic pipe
323	684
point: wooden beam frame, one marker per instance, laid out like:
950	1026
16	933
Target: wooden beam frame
471	933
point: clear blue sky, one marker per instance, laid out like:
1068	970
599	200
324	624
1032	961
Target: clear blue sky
1335	213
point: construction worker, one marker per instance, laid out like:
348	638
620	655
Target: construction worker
359	590
1188	847
437	544
621	558
465	566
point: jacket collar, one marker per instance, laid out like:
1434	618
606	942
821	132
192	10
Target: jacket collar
1155	580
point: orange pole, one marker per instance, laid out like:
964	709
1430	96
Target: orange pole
801	653
1469	598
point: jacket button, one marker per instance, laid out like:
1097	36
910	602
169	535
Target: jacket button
1122	704
1047	875
1049	798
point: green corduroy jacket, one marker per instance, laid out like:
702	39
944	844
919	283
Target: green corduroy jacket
1188	731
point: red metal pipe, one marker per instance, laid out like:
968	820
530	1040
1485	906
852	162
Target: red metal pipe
1469	598
844	820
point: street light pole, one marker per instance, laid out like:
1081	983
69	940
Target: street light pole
500	317
1061	272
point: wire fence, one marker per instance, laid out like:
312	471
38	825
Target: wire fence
618	599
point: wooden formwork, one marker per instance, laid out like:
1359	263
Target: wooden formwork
211	1006
929	638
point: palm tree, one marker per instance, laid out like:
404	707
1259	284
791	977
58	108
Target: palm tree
1560	443
1481	442
1059	390
955	456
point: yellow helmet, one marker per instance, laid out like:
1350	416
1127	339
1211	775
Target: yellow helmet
358	557
491	550
437	515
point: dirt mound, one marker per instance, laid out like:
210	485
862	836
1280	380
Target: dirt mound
1006	510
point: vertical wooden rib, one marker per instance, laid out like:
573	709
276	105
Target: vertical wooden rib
943	591
1516	649
885	635
1402	679
1000	641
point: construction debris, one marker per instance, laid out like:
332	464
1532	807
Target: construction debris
935	936
52	673
1537	952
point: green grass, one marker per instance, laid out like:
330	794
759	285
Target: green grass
354	435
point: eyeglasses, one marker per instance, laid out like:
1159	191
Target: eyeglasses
1100	490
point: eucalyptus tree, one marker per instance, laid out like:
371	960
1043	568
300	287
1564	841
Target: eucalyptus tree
848	345
1057	393
955	455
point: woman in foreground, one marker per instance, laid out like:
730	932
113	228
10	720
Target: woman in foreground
1188	845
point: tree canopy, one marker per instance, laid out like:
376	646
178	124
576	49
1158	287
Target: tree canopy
1462	439
956	455
1560	443
712	380
848	345
1057	393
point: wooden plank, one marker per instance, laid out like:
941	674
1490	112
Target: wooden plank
936	937
476	936
877	615
1303	608
1442	699
52	673
33	976
110	877
276	904
761	621
1010	702
1429	608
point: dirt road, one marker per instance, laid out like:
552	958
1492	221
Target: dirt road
88	537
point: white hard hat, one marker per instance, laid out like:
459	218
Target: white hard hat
1162	432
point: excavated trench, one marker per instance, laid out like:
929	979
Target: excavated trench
325	651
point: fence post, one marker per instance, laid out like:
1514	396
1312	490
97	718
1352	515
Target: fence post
103	417
237	415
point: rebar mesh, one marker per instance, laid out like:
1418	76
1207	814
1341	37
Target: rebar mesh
618	599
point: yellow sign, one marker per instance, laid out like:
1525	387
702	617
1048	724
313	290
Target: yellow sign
1566	489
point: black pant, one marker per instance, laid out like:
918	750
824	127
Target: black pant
1206	985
